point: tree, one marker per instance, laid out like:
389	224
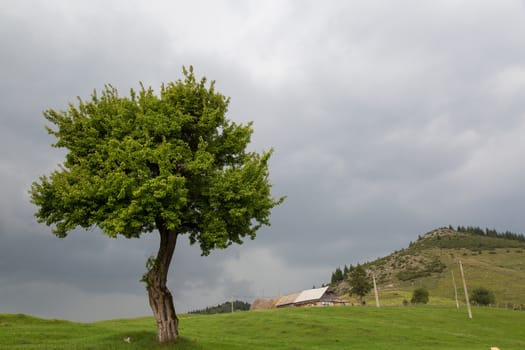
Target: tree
482	296
171	163
359	282
419	296
337	276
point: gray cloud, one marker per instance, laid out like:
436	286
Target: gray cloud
387	121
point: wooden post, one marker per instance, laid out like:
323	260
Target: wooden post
455	290
375	289
466	291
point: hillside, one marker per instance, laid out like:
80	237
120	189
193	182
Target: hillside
496	262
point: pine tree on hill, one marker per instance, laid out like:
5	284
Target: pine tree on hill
360	282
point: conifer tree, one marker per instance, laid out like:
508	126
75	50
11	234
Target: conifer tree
360	282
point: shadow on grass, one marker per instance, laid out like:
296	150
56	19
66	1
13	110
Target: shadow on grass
148	340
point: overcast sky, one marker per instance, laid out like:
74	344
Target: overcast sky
388	119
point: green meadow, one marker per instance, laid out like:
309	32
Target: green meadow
412	327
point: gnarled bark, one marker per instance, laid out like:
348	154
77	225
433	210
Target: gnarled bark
160	298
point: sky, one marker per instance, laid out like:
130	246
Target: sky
387	119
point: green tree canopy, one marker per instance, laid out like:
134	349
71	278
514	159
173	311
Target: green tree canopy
171	163
359	282
482	296
420	296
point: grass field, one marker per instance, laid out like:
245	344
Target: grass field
426	327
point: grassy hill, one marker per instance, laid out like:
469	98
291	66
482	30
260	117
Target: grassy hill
425	327
492	262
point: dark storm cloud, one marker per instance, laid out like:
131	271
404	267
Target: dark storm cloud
379	133
387	120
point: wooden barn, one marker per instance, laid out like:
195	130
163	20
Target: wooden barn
310	297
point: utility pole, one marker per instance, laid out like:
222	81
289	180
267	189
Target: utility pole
455	290
375	289
232	304
466	291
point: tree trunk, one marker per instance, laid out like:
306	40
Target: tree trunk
160	298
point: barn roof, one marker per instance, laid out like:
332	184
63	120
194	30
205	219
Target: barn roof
287	299
310	294
302	297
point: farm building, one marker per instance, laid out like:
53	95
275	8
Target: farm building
310	297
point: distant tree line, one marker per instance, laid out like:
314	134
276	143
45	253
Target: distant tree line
489	233
223	308
339	275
